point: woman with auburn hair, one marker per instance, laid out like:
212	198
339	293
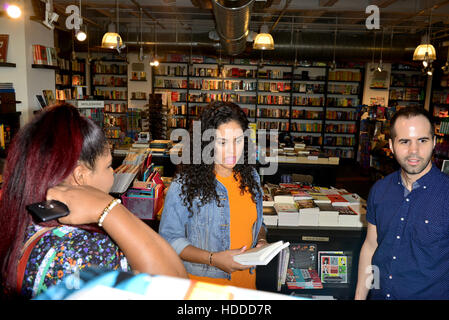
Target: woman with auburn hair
64	156
213	209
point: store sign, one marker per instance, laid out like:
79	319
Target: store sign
90	104
74	20
373	20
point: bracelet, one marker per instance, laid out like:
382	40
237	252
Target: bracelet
262	239
106	211
210	258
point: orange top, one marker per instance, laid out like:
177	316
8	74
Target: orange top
243	216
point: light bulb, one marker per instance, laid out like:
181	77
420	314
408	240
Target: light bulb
13	11
81	35
429	72
425	63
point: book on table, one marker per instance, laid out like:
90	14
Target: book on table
261	255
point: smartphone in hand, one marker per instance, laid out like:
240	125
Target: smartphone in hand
48	210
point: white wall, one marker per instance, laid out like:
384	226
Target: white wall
373	93
140	86
28	82
16	47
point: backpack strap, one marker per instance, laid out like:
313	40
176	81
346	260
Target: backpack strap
25	254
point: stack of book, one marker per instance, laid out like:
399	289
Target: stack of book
305	205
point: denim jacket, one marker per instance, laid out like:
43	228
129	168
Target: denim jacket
208	228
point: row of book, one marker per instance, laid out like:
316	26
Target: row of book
111	94
197	71
341	75
239	85
44	55
307	114
237	98
444	126
440	97
139	95
296	204
312	88
273	113
205	84
342	102
115	107
114	68
177	123
405	80
341	153
341	128
5	135
339	141
239	73
170	83
101	80
341	115
78	66
170	70
308	101
407	94
343	88
274	74
63	94
274	86
269	99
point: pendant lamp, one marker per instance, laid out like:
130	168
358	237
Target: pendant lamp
112	39
264	40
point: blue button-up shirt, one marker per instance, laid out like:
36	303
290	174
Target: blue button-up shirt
412	256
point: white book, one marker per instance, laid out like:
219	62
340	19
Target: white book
261	255
309	218
283	199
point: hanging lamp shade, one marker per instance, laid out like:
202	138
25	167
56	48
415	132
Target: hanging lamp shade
263	40
110	40
422	49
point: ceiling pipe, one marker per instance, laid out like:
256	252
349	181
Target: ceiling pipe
232	19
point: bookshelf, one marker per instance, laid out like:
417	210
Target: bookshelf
109	82
407	86
313	102
70	79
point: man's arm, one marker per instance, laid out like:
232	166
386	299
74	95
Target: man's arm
366	254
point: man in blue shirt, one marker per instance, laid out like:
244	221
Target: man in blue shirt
407	242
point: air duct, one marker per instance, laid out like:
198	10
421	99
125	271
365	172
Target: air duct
232	20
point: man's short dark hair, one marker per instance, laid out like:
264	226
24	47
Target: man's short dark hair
410	112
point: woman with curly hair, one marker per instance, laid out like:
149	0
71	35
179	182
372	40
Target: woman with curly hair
213	209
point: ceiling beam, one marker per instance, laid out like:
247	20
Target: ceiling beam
383	3
147	13
327	3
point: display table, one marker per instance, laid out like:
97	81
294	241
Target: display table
345	239
323	170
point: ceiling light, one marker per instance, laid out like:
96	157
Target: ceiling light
13	10
264	40
154	63
111	39
425	49
429	72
